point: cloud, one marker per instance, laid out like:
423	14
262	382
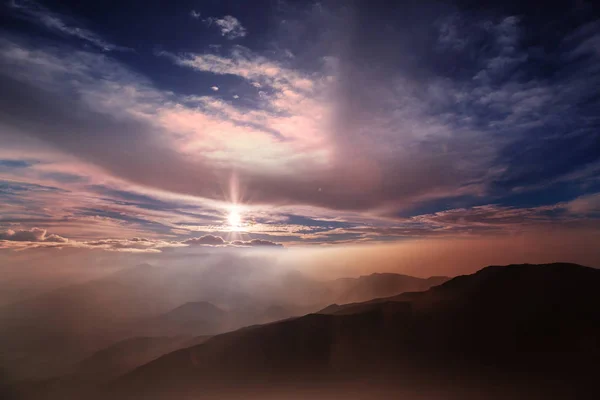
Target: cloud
229	26
37	238
14	164
52	21
493	218
585	205
420	121
258	70
31	235
212	240
209	240
125	213
195	14
53	238
130	245
256	243
122	101
215	88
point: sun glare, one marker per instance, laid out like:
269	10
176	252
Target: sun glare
234	219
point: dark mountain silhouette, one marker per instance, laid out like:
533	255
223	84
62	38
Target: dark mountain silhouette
359	308
91	373
46	335
521	331
363	288
128	354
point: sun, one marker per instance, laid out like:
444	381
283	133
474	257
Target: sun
234	219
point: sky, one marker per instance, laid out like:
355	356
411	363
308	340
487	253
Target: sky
148	127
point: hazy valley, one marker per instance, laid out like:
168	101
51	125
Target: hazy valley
521	331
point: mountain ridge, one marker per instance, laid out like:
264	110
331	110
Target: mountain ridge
370	341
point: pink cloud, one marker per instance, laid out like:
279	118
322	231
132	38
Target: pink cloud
31	235
210	240
256	243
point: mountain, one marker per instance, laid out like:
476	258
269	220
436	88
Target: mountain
192	318
520	331
145	300
123	356
92	372
367	287
43	336
202	310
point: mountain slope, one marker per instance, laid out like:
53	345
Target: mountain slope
128	354
518	330
363	288
192	318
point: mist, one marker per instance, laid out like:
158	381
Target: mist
25	274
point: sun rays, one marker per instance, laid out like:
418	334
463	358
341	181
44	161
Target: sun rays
234	218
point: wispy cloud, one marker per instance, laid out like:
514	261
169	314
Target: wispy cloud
258	70
229	26
41	15
37	238
31	235
218	241
587	205
330	146
361	126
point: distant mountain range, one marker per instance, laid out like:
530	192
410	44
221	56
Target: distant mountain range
149	301
198	317
520	331
349	290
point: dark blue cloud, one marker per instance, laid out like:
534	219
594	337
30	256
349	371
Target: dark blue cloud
135	199
12	188
550	194
63	177
15	164
532	162
145	202
432	206
123	217
319	223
